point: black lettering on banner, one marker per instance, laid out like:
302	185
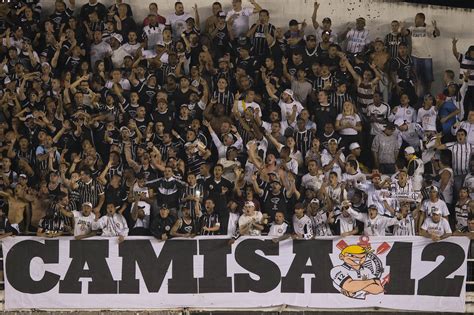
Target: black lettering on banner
153	268
318	251
215	278
17	266
399	259
267	270
92	252
436	283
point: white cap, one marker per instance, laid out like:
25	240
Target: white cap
435	210
87	204
249	204
398	122
410	150
7	80
289	92
354	145
118	37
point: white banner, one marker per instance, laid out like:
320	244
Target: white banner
409	273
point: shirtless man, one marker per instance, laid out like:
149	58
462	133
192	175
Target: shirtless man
17	210
39	204
380	57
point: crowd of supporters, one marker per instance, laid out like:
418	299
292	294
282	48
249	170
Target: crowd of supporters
176	126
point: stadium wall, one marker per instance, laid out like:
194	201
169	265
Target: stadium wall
378	13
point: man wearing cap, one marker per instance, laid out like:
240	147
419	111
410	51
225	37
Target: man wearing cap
374	223
357	38
434	203
321	218
83	221
161	226
385	149
287	104
238	17
118	51
409	133
326	27
416	168
251	222
436	227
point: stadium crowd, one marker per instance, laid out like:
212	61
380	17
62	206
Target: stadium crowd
176	126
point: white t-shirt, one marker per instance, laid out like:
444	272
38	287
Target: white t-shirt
82	224
246	220
242	106
100	51
303	226
326	158
312	182
440	228
420	41
427	118
178	23
117	57
241	23
153	34
350	120
287	108
429	206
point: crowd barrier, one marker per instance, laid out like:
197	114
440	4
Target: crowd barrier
208	273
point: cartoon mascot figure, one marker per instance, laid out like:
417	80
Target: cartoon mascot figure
360	272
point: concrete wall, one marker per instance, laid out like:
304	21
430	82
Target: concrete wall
378	13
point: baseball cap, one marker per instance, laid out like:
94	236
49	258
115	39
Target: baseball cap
435	210
275	181
432	187
398	122
289	92
7	80
410	150
310	37
327	20
29	116
354	145
23	176
190	18
87	204
332	140
293	22
164	206
315	200
118	37
372	206
160	43
249	204
221	14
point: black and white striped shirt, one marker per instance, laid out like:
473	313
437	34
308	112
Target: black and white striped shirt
320	82
188	190
466	64
226	98
303	140
90	192
338	100
259	42
461	153
392	41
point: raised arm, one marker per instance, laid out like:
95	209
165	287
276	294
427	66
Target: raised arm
455	48
314	16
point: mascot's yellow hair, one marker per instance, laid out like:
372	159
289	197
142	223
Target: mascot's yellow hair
354	249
